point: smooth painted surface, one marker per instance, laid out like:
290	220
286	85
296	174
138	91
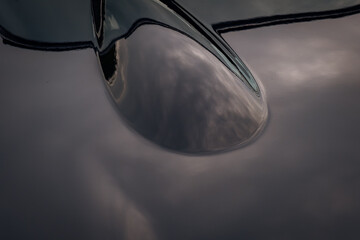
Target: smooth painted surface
71	169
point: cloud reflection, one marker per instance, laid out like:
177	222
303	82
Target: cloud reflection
180	96
320	56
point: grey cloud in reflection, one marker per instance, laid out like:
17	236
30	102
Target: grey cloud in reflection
177	94
299	66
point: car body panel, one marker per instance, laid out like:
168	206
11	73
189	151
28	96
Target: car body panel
71	168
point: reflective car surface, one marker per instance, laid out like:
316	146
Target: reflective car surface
180	119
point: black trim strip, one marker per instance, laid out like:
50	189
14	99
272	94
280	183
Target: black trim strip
238	25
13	40
223	27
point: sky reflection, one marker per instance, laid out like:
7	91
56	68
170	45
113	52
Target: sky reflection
70	169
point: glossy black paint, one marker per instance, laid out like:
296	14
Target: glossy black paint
185	109
144	102
229	108
177	94
70	169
